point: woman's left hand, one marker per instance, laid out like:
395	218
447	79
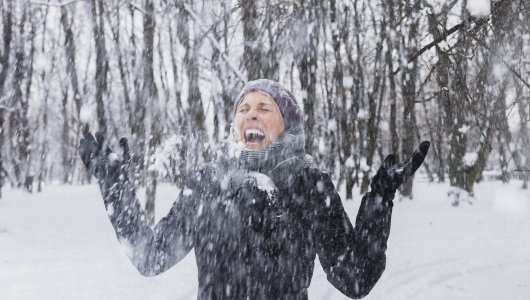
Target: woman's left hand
390	175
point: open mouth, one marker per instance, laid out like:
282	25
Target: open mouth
254	135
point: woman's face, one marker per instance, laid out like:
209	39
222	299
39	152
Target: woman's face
258	121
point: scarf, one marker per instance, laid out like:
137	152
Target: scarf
271	168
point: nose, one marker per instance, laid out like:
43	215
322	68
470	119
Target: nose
252	114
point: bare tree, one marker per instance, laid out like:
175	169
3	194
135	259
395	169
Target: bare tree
252	57
19	122
305	45
150	93
96	9
373	95
7	34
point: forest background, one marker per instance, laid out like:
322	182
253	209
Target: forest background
373	78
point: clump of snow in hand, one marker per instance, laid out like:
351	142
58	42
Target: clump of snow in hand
264	182
511	202
470	158
479	8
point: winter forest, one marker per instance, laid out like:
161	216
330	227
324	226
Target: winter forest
372	77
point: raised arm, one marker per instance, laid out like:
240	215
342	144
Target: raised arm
151	250
354	258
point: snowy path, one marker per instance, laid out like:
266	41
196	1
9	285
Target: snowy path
60	245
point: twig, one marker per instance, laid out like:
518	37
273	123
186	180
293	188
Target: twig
215	43
443	37
510	67
137	7
514	72
7	108
56	4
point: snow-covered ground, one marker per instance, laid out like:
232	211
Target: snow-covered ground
59	245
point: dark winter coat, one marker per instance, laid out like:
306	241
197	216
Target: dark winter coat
250	247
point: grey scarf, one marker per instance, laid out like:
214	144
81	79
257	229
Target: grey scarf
279	161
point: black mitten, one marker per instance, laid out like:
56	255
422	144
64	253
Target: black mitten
99	159
390	176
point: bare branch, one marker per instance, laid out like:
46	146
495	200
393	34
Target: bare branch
7	108
56	4
443	37
215	43
138	8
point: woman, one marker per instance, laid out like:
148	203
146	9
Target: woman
259	214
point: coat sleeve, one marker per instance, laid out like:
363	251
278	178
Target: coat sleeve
353	258
151	250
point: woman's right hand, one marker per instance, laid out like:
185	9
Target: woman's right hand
99	159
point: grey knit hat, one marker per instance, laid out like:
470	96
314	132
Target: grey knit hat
291	112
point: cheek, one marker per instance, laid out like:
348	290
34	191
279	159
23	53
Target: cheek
274	125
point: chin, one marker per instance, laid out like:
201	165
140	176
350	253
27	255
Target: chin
253	146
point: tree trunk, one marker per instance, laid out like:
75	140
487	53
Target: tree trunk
409	77
373	120
306	60
443	100
65	139
391	45
19	118
150	93
252	50
5	56
69	45
101	63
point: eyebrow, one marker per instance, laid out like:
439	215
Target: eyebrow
260	104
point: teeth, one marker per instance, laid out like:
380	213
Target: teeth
254	131
254	135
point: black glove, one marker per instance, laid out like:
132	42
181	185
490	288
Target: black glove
99	159
390	176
